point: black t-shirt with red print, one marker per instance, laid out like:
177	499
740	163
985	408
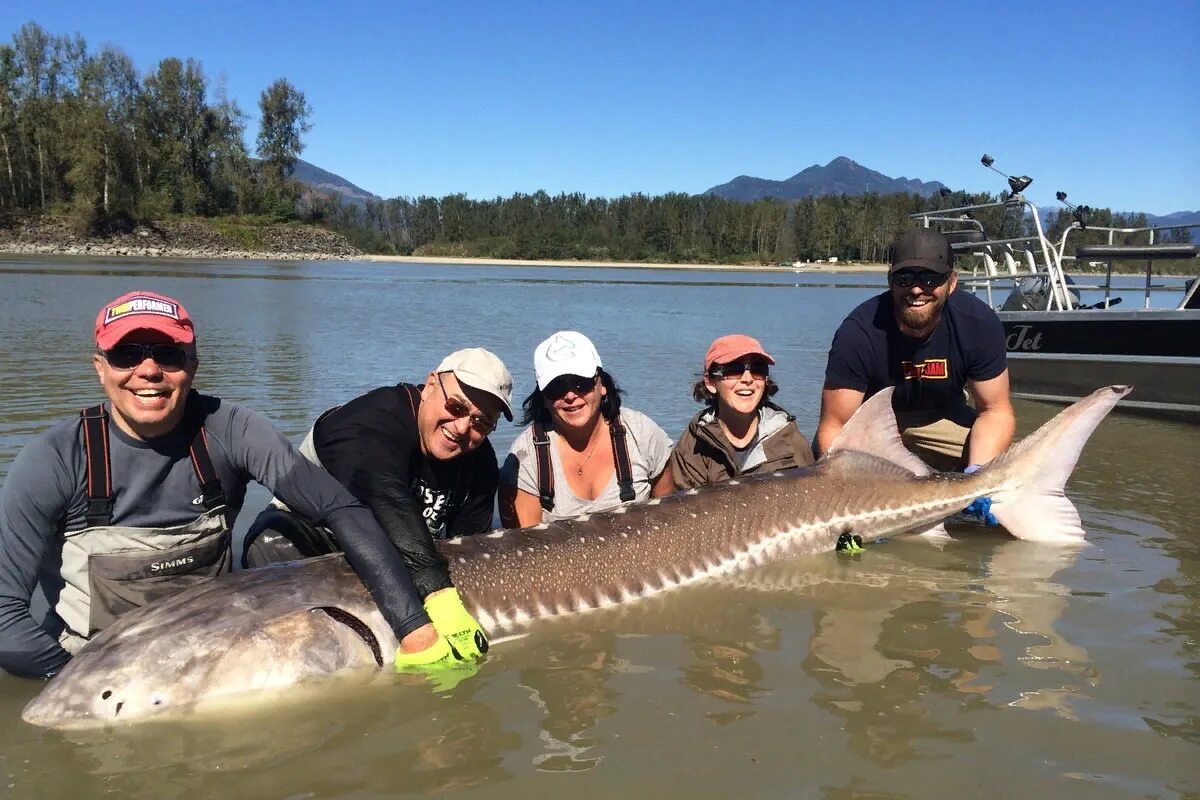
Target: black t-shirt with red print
869	353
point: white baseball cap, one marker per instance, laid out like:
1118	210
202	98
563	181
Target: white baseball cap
565	353
483	370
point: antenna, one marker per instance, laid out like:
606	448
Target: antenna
1017	183
1080	213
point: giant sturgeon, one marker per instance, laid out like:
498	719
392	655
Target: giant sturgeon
284	625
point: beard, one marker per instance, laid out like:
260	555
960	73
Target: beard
921	318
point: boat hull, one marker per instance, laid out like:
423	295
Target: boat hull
1060	356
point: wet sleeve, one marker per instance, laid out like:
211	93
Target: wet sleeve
33	506
369	449
990	350
478	509
312	492
848	366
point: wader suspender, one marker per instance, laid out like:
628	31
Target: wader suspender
541	449
621	460
620	448
98	476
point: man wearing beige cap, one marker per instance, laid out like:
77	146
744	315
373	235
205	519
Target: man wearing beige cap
419	457
133	500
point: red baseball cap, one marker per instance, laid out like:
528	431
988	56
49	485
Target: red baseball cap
138	311
732	347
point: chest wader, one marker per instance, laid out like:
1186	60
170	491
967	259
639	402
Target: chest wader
620	448
109	569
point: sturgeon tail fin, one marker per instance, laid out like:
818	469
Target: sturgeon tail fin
1029	501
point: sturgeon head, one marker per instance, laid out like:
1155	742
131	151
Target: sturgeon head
262	629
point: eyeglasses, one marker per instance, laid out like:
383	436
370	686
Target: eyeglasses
130	354
736	369
560	386
925	279
459	408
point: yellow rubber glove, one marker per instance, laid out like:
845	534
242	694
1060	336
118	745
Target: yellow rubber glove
450	617
440	663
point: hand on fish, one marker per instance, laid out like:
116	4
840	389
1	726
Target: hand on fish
980	510
458	648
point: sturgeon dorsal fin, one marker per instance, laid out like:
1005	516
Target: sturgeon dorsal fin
873	430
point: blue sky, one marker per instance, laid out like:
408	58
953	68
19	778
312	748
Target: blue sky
1098	99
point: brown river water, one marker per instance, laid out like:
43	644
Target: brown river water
986	668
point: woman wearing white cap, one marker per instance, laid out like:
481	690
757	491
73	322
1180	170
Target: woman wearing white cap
581	452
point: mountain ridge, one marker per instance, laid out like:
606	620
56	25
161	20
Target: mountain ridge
842	175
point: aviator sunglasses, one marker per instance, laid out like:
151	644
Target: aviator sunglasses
735	369
130	354
459	408
925	279
569	383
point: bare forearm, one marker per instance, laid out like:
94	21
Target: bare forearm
827	433
991	435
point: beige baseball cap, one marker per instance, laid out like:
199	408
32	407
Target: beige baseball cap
483	370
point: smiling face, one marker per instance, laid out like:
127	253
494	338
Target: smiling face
454	419
574	401
738	392
918	309
148	399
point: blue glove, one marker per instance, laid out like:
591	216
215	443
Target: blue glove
980	510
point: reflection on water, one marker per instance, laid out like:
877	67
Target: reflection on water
1031	670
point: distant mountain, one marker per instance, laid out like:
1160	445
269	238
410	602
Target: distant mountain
1177	218
328	183
840	176
1152	220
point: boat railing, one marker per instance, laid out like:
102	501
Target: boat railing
1038	256
1111	252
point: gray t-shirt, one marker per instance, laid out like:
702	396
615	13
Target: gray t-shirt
649	449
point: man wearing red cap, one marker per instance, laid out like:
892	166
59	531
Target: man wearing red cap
134	500
740	431
931	343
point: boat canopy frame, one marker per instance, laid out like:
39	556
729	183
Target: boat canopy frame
1044	258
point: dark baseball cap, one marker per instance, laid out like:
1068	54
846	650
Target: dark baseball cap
924	249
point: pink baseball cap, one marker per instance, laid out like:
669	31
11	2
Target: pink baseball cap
732	347
138	311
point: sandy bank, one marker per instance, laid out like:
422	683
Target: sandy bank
506	262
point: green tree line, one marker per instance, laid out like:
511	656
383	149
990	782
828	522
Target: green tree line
673	227
84	133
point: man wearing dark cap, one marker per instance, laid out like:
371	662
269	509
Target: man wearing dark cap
931	343
133	500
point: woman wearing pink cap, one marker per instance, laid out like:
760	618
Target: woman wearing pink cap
582	451
740	431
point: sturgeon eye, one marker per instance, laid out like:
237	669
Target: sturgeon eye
105	694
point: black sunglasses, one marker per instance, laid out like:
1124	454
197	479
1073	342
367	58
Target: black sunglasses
735	369
925	279
459	407
129	355
569	383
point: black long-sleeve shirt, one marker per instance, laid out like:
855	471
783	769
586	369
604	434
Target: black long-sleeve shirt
154	486
372	446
